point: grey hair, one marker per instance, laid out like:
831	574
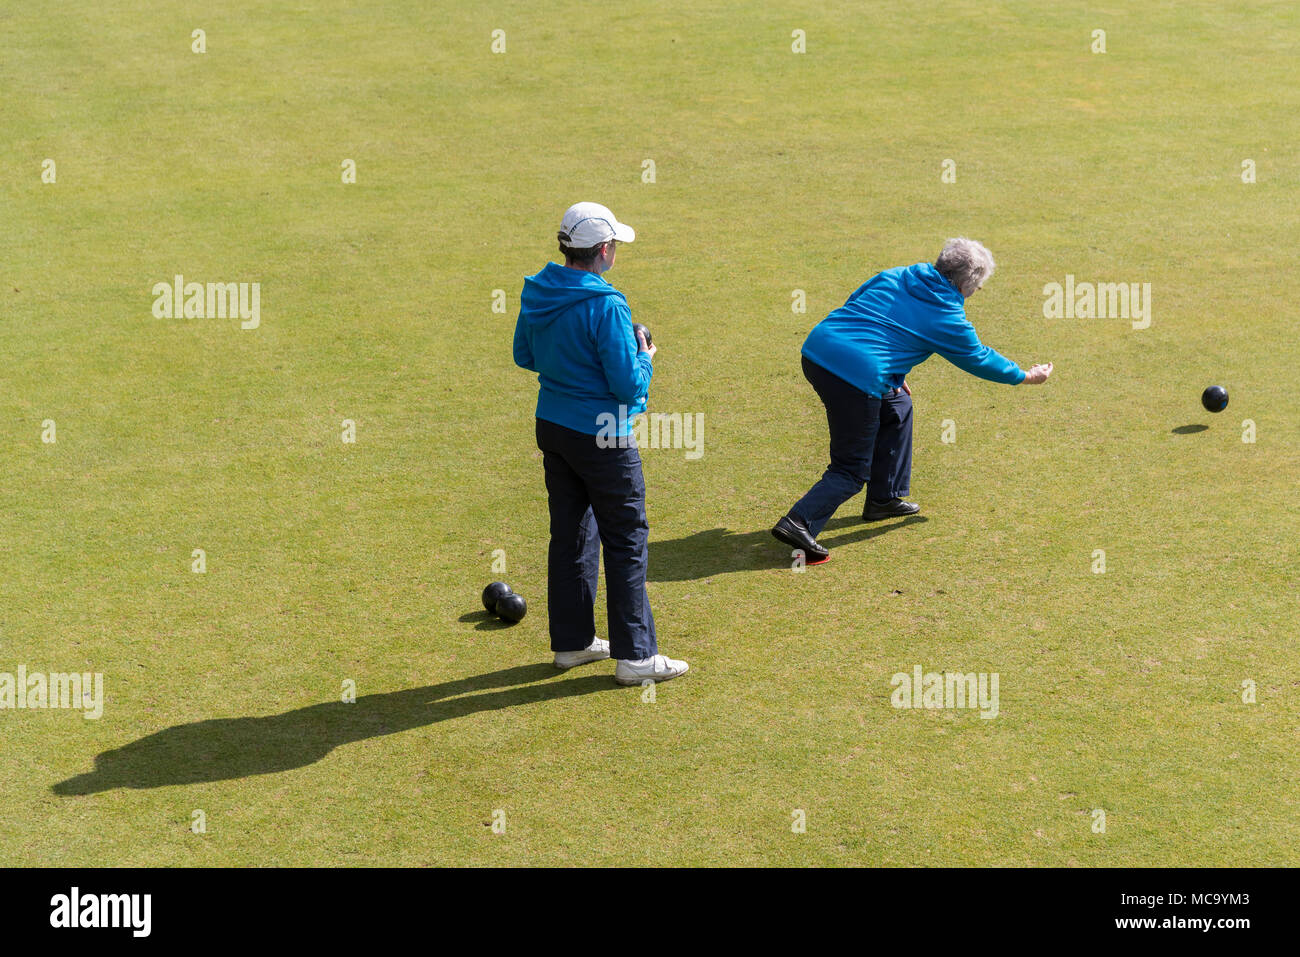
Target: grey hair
965	263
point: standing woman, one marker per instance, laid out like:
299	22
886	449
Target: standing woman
575	332
857	360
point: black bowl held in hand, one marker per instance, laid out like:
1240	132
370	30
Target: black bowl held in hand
637	327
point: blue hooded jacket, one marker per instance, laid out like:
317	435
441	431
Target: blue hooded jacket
575	332
896	320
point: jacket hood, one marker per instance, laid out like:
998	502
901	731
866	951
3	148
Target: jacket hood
555	289
926	284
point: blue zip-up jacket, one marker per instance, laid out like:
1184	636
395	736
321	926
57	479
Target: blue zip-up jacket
896	320
575	332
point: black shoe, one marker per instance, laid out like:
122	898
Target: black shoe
795	533
894	508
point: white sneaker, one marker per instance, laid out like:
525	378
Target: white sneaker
655	668
598	650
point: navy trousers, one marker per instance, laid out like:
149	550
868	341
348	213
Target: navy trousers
596	497
871	444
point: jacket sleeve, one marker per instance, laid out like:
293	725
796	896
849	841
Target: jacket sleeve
627	371
957	342
523	348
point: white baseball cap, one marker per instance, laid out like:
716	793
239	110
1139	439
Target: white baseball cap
590	224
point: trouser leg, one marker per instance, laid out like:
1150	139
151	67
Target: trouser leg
608	486
854	419
617	489
573	556
891	461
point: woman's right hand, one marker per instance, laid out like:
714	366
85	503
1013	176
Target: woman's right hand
1038	374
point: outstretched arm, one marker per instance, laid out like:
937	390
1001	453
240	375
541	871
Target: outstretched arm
962	347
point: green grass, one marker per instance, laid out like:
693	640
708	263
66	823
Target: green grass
775	171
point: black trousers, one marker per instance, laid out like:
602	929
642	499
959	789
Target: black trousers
596	497
871	444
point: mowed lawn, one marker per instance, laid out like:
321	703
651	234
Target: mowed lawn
332	562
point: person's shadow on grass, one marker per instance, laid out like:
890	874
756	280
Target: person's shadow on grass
718	550
222	749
